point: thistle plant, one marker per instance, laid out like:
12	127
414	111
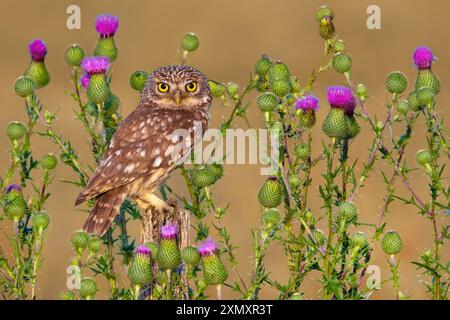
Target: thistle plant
333	242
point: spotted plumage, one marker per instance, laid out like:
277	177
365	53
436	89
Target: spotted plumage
149	144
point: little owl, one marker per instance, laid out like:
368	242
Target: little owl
146	146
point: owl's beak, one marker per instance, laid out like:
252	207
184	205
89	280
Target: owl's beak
177	97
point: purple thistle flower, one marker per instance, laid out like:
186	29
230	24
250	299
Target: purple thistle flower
169	231
207	247
12	187
423	57
143	250
85	79
106	25
308	102
95	65
341	97
37	49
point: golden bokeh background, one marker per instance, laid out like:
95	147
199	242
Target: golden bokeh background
233	35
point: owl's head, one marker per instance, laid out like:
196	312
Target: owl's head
175	87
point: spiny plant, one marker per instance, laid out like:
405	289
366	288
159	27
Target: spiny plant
341	253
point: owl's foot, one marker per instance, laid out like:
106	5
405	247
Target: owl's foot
150	200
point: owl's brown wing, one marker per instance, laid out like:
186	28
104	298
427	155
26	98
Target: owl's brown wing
147	140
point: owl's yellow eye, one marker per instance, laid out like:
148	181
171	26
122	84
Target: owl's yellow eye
163	87
191	86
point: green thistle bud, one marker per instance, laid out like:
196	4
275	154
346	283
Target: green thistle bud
359	240
38	72
270	194
232	89
296	296
24	86
106	47
348	210
140	272
342	62
80	240
214	271
161	277
391	243
16	130
361	92
262	66
294	181
98	90
154	247
94	245
427	79
425	96
402	106
16	206
324	11
138	80
278	71
40	221
267	102
307	118
303	151
339	46
190	42
335	124
353	128
190	256
88	288
280	87
424	158
67	295
112	105
168	254
414	102
271	218
74	55
49	161
326	29
217	89
207	176
396	82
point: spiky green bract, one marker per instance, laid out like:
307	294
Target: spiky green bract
294	181
217	89
98	90
270	218
396	82
161	277
403	106
325	16
106	47
190	42
324	11
262	66
267	102
190	256
303	151
342	62
214	272
207	175
278	71
154	248
16	130
359	240
168	254
339	46
67	295
361	92
80	240
414	102
24	86
348	210
353	128
424	157
15	205
40	221
74	55
49	161
88	288
140	272
335	124
38	72
94	245
270	194
232	89
280	87
307	118
138	79
391	243
112	105
427	79
425	96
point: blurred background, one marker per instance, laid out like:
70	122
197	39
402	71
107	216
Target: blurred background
233	34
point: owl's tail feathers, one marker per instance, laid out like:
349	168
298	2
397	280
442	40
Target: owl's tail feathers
104	211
